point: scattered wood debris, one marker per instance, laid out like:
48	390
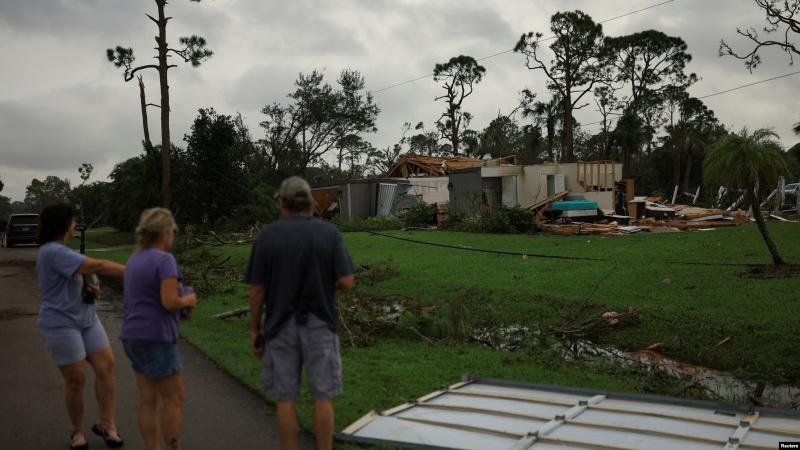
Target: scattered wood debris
661	219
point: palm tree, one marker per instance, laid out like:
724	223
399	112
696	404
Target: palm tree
797	128
547	114
739	161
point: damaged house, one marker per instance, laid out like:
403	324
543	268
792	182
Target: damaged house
467	184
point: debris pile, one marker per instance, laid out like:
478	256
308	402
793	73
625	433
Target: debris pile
648	214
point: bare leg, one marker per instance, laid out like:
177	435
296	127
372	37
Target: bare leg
323	424
102	362
287	424
148	411
74	380
170	390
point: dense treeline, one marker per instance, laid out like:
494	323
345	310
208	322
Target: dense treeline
223	175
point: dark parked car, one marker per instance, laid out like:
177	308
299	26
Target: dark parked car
21	229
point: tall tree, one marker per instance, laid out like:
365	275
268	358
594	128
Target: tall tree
52	189
193	50
458	77
351	150
576	68
503	137
796	128
697	126
381	161
85	172
629	134
544	114
608	105
783	21
216	154
742	161
425	142
316	121
650	63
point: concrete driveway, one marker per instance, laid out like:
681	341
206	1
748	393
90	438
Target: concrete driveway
219	413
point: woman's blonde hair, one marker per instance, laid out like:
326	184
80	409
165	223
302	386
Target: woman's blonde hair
152	224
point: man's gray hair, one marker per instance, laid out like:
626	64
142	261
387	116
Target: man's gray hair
296	194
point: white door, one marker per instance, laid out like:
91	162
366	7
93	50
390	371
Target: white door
386	194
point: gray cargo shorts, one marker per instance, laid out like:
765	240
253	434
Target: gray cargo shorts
312	345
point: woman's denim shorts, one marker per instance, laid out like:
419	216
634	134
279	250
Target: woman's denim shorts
154	359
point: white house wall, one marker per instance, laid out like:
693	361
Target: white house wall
530	188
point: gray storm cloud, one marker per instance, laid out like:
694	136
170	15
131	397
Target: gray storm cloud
62	103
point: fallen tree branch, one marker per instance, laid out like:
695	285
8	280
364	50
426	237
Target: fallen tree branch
216	236
240	312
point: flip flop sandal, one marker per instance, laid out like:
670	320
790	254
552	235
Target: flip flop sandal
72	445
109	441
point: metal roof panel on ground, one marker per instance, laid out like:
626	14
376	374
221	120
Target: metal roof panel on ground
502	414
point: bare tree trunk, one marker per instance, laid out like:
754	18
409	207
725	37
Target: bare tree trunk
568	139
551	132
166	191
454	133
146	128
762	227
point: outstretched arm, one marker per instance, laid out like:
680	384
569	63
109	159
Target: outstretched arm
101	267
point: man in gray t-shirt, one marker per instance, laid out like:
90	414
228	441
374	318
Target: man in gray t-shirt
296	266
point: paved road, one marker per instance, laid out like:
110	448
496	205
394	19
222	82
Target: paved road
218	413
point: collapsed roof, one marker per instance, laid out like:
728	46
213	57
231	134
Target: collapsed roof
411	165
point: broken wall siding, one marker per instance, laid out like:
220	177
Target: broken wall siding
430	190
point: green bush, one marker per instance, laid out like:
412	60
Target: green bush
519	218
261	210
455	220
503	220
377	223
420	215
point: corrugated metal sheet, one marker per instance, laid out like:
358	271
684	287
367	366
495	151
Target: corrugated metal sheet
486	414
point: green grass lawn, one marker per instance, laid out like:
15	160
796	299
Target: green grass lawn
102	238
392	371
689	307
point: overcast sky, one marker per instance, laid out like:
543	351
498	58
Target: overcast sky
62	103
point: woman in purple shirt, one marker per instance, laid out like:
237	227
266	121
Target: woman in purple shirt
69	325
153	301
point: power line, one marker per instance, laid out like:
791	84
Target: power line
726	91
749	84
549	38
